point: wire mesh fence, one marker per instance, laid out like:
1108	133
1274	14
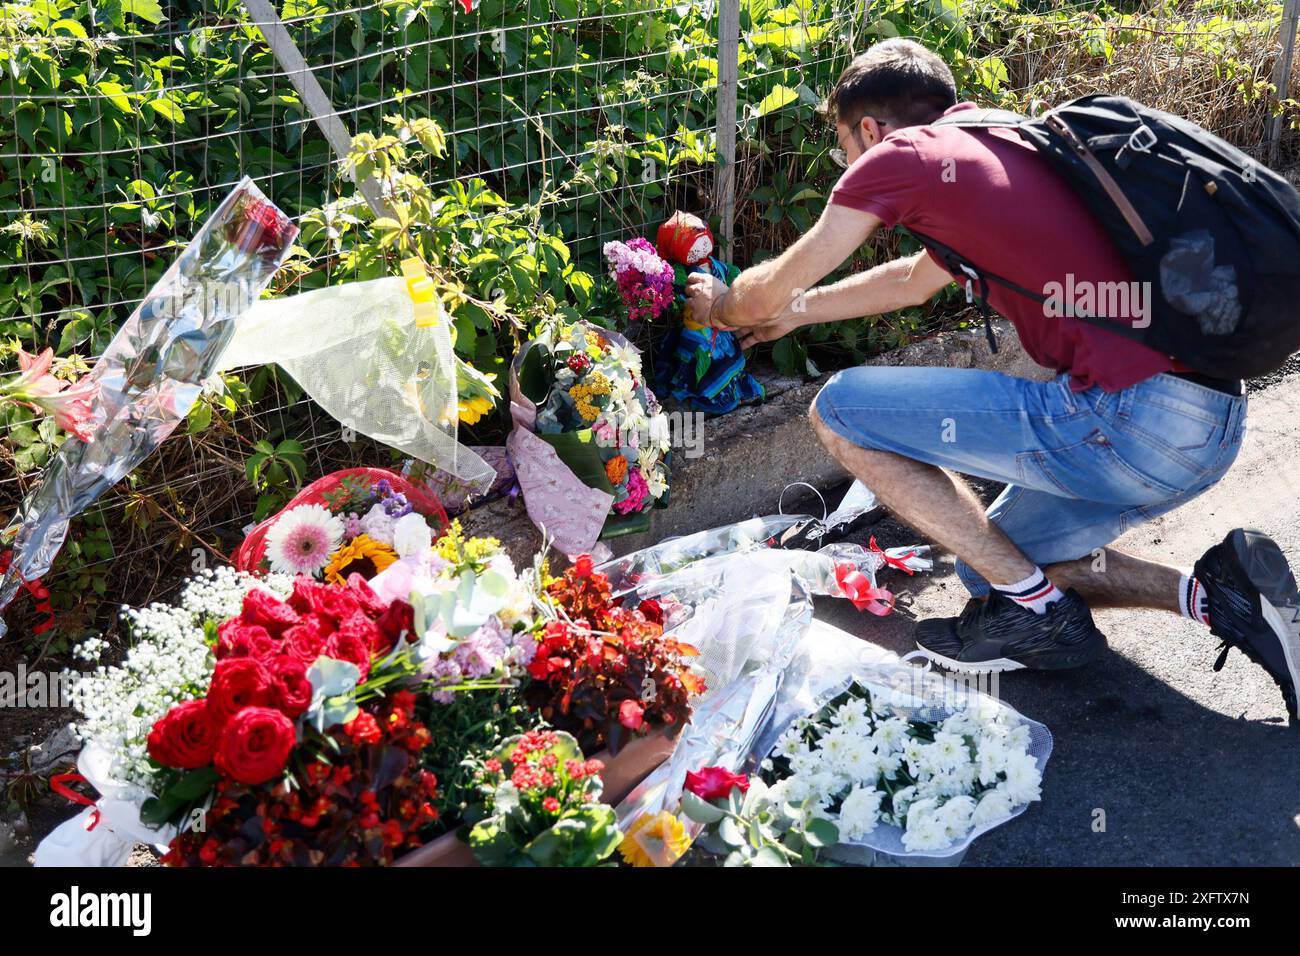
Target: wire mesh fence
125	126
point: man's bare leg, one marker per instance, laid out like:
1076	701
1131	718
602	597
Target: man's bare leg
943	508
934	502
1116	579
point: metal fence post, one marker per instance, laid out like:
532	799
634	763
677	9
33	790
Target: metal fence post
313	96
728	72
1282	71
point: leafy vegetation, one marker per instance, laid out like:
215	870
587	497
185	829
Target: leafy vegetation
514	141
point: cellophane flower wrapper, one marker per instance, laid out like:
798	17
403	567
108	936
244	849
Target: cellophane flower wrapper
826	571
357	350
827	661
746	616
154	369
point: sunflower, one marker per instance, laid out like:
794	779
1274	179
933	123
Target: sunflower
655	840
362	555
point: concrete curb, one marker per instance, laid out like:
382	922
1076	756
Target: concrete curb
750	455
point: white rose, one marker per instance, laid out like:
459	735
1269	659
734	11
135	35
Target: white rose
411	536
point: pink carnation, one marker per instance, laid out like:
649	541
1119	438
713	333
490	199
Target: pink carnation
637	492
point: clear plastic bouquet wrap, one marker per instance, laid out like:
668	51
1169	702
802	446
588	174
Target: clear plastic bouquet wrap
770	667
378	361
951	761
152	372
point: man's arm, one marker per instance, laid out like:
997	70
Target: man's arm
885	288
761	294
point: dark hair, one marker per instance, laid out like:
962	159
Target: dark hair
896	81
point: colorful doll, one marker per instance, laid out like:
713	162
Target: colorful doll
699	366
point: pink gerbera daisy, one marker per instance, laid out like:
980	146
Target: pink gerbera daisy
303	540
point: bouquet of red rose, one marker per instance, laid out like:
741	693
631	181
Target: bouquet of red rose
303	751
603	671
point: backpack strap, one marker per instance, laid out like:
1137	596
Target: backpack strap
982	119
958	264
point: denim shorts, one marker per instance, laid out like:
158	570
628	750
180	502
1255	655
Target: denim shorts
1081	468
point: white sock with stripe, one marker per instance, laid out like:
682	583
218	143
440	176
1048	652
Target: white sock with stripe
1192	600
1034	592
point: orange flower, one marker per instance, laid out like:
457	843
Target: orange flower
616	470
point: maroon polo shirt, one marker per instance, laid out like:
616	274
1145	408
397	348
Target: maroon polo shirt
989	195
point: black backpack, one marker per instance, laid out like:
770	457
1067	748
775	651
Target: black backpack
1214	233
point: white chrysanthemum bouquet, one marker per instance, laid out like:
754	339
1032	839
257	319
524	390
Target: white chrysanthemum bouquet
865	760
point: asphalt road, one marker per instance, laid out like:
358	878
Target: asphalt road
1190	767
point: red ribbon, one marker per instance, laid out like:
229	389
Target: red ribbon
59	784
40	596
858	589
900	563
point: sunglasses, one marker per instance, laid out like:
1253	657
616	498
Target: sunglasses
841	158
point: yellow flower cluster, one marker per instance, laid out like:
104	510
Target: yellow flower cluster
454	547
472	409
583	393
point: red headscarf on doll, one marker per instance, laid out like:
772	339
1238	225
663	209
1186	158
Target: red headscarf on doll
684	238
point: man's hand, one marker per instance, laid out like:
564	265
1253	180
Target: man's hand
703	292
752	335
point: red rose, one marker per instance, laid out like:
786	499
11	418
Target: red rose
653	611
349	647
185	737
237	682
235	638
399	617
290	687
631	714
255	745
304	596
336	603
365	595
262	607
363	628
715	783
324	625
304	642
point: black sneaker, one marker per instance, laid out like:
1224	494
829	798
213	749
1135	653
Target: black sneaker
938	633
1254	606
1000	635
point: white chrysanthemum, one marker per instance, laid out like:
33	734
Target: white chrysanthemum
890	734
806	764
791	743
993	807
928	836
859	813
951	783
954	816
852	715
925	829
1023	782
948	752
1018	737
825	786
917	754
990	759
